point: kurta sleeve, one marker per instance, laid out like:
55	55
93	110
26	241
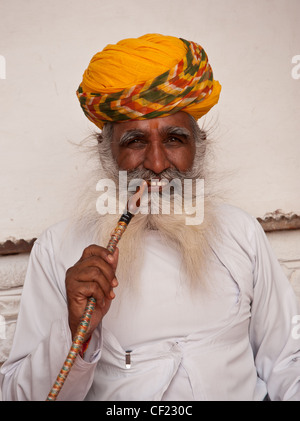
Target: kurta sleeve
273	334
42	338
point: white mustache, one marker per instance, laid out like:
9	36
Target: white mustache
144	174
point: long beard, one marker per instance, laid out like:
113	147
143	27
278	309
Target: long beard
192	242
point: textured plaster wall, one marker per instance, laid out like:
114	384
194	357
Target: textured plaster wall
254	49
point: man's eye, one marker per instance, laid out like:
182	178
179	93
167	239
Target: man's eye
174	139
135	143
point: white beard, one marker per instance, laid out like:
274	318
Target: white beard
192	242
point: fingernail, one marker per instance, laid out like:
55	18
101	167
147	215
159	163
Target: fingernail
112	294
114	282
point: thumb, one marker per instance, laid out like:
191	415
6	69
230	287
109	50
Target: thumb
113	259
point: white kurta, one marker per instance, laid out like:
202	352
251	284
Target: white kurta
231	340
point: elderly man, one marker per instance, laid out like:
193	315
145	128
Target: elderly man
198	311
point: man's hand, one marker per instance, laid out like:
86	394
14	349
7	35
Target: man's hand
92	276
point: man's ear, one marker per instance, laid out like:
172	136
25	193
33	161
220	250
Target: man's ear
203	135
99	137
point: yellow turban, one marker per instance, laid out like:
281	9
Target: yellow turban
147	77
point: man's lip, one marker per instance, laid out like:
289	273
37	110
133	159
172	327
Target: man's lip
157	182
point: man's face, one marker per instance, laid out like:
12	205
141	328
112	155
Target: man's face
156	144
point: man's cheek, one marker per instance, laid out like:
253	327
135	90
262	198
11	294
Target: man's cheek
129	160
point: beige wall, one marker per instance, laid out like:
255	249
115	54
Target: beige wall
48	44
254	49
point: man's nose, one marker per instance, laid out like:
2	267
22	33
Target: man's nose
156	158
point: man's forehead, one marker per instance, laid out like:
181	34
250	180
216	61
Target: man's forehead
177	122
